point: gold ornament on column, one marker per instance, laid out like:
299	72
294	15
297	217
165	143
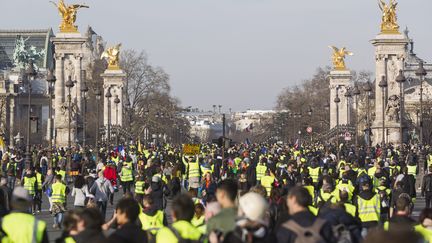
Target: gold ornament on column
68	14
389	19
112	55
338	57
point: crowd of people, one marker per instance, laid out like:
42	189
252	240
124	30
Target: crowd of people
245	193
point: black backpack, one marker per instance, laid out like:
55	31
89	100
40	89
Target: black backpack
180	239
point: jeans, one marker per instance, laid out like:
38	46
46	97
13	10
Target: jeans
11	182
58	219
126	186
102	206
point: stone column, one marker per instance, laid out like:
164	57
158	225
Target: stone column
11	120
68	54
390	52
341	79
113	79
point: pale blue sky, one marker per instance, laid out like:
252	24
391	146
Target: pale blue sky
256	47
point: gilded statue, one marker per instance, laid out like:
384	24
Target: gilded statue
389	20
68	14
338	57
112	55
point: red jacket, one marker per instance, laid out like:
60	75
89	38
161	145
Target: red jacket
110	174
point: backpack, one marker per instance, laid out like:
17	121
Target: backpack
180	239
309	234
342	234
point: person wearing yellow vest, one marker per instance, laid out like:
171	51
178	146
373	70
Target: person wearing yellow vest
425	225
349	208
193	172
267	181
150	217
58	199
182	229
315	173
127	212
199	218
20	226
368	206
261	168
30	184
38	195
139	188
126	177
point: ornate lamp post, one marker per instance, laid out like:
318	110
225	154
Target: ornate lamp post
129	112
69	85
368	89
84	90
401	79
108	95
421	73
51	80
98	95
117	102
356	93
31	74
337	101
383	85
348	100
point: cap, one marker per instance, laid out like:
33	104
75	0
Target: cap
254	206
19	193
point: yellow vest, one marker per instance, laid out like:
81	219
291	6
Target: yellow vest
266	182
126	174
194	169
311	191
371	171
29	184
58	193
314	173
369	210
185	229
19	227
351	209
63	174
412	169
39	180
139	187
152	223
426	233
260	171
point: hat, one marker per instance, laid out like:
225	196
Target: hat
254	206
19	193
156	179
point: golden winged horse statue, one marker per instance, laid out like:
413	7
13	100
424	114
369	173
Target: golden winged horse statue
68	14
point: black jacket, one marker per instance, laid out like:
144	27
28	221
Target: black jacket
305	219
128	233
426	184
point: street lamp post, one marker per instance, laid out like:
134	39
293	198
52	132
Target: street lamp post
421	73
69	85
51	80
401	79
337	101
108	95
368	89
348	100
356	93
117	102
383	85
98	95
31	74
84	90
309	112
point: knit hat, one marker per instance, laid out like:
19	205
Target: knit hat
19	193
254	206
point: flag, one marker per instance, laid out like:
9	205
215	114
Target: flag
297	144
139	146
